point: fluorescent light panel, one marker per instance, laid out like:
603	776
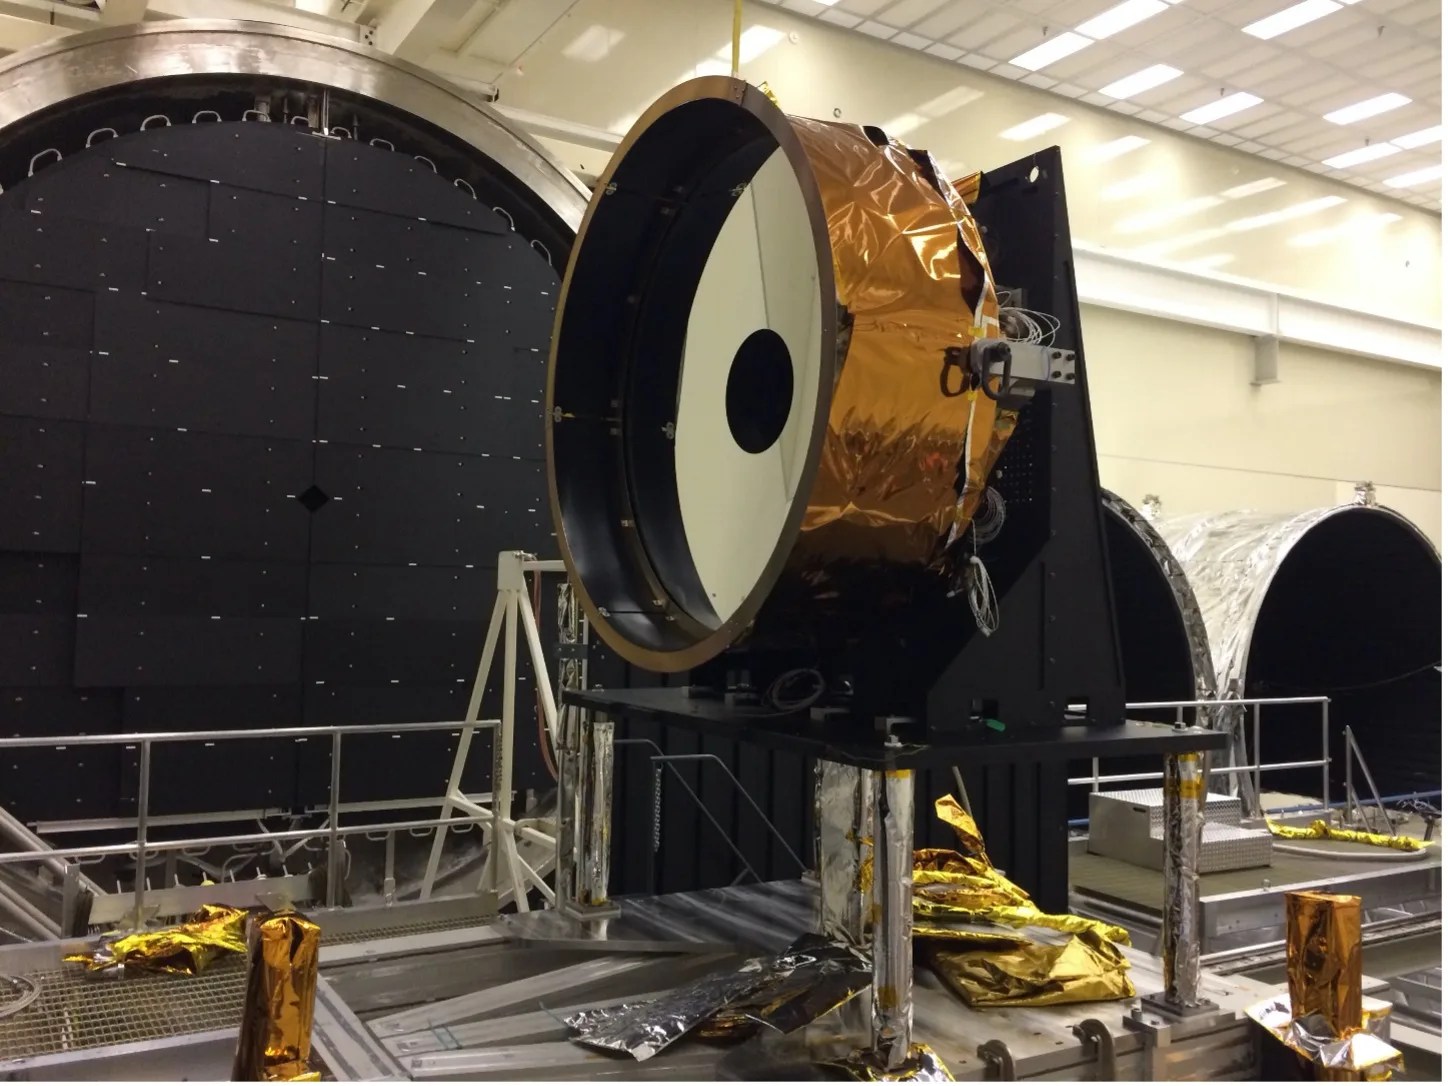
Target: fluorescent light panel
1416	177
1363	110
1141	82
1222	107
1297	15
1252	188
1117	148
1120	17
1048	52
1294	211
1371	153
1421	138
1036	126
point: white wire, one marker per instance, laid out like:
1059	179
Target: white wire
1038	327
982	597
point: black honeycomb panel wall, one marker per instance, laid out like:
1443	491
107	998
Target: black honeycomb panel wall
273	405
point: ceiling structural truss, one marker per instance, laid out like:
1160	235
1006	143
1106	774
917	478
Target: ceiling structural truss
1309	84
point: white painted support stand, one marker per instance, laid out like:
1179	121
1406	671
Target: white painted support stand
506	872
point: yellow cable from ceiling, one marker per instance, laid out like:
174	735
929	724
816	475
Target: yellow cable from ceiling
738	29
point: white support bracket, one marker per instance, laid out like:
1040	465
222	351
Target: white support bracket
506	873
1264	360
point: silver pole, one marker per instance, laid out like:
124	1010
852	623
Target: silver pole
12	827
893	962
333	799
600	813
1326	759
1181	962
143	813
1257	756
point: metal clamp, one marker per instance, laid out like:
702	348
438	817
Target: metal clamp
998	1055
1092	1032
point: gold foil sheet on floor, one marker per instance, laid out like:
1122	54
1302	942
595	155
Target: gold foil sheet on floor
1360	1056
1006	969
924	1065
1085	969
185	949
274	1043
1321	831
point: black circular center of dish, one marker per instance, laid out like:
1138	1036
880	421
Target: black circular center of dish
760	391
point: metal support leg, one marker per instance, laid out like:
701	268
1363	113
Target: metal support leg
1185	795
893	961
334	805
585	816
848	799
143	815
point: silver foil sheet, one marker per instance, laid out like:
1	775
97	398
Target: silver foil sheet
1361	1055
847	799
1185	788
1199	644
810	978
893	921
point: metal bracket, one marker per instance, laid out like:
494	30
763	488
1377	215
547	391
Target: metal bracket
1093	1033
1179	1012
998	1055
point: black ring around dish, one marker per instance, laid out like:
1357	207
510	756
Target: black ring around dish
617	353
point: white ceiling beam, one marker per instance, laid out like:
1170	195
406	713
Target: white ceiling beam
120	12
51	13
257	11
21	33
514	28
415	29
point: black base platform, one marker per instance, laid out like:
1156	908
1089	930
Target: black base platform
798	733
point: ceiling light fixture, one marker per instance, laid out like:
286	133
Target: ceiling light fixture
1141	82
1048	52
1252	188
1293	211
1036	126
1120	17
1363	110
1222	107
1416	177
1371	153
1116	148
1290	19
1421	138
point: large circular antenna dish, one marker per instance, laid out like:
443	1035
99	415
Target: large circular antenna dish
750	392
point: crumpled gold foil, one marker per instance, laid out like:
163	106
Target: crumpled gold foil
968	187
275	1040
1085	969
1359	1056
912	276
1324	958
185	949
924	1065
1319	830
1002	969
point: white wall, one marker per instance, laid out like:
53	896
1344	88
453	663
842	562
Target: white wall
1175	411
1176	415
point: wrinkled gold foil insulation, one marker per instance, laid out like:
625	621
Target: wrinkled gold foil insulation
997	969
186	949
1319	830
275	1040
923	1065
1324	958
911	273
1363	1055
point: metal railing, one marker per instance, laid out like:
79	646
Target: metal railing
144	847
1250	773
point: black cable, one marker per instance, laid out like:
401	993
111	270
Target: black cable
1351	689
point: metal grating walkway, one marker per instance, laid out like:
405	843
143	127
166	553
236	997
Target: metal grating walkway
77	1010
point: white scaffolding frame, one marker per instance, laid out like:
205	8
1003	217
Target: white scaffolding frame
505	870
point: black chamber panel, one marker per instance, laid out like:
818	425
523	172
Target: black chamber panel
1354	612
272	404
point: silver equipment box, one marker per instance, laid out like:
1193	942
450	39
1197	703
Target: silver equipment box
1130	826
